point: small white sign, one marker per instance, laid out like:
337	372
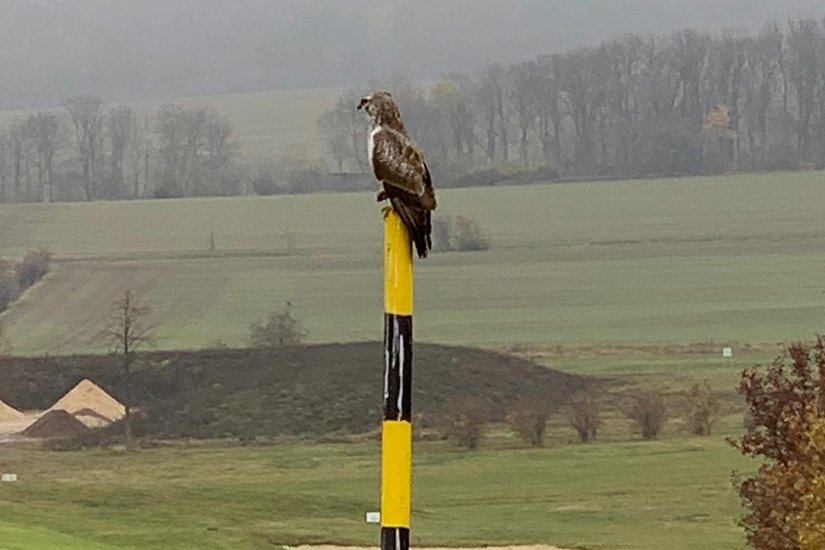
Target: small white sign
727	353
8	477
373	517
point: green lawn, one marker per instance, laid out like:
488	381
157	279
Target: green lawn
659	261
671	494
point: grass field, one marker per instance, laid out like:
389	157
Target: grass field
266	125
615	494
660	261
619	496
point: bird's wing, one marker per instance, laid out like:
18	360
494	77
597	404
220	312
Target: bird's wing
397	161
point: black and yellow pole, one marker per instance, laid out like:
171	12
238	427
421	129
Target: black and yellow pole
396	446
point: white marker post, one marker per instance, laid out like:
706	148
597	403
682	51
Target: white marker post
373	517
727	353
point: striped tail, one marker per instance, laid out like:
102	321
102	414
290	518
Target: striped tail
418	222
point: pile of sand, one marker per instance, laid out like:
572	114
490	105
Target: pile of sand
55	424
88	395
9	413
92	419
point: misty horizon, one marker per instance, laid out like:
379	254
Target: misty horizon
54	49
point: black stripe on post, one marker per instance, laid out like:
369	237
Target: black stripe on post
397	367
395	538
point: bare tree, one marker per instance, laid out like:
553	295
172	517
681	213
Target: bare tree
196	151
20	152
690	51
762	82
804	50
44	129
528	420
217	158
334	127
551	114
121	125
585	415
451	99
126	331
140	145
702	408
87	117
524	84
648	414
4	166
490	97
580	86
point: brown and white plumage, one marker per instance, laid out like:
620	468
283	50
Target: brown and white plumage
398	163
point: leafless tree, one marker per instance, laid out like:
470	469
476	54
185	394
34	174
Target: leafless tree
763	81
4	166
490	97
585	415
579	82
20	157
196	151
334	126
44	130
121	129
127	331
524	86
550	109
87	117
451	101
804	50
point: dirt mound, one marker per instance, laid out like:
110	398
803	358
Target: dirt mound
88	395
9	413
309	390
92	418
55	424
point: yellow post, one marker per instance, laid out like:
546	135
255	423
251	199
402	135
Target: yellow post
396	447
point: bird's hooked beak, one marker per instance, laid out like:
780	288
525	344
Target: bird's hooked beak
362	103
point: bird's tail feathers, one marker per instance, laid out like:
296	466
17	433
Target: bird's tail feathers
418	223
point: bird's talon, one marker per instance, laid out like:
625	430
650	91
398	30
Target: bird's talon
385	211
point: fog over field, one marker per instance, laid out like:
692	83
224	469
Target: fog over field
154	49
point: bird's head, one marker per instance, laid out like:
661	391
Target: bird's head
378	103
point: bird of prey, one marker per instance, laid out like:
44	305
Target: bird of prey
398	164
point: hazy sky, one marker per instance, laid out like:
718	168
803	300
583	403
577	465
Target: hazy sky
137	49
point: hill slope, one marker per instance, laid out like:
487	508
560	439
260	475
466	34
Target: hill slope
673	261
296	390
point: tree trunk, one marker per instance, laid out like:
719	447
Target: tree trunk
127	372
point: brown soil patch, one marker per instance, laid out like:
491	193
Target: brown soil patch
88	395
287	391
55	424
9	413
92	418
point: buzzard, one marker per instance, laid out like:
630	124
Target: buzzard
399	165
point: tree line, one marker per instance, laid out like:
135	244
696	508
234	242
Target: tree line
637	105
90	151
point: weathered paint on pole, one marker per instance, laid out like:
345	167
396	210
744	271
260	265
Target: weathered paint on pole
396	446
